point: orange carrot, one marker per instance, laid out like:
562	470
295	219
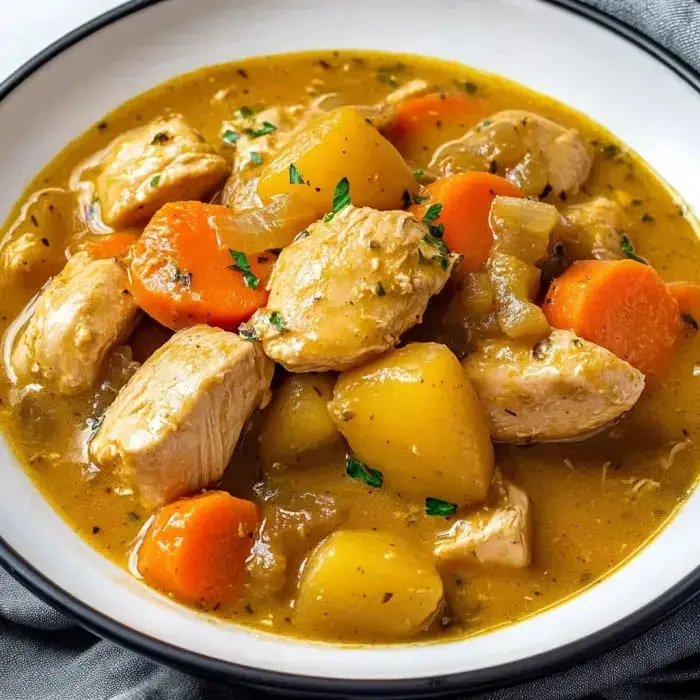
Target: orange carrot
687	295
112	245
416	114
195	549
463	203
181	276
623	306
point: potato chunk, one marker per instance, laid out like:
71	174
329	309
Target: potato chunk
367	584
147	167
334	145
297	421
414	415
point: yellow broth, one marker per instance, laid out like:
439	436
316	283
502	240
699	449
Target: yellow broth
595	502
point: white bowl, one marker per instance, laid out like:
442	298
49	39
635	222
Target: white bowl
645	97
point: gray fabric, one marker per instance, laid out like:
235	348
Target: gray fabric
44	656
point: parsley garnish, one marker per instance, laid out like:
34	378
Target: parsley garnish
381	292
155	180
359	470
160	137
432	213
246	112
266	128
647	218
467	85
295	177
184	278
611	150
277	321
435	506
418	173
341	198
230	136
690	320
387	74
242	265
248	333
300	235
627	248
255	158
418	199
444	251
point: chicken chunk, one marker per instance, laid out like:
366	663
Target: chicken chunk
347	291
173	428
562	388
593	230
147	167
498	535
537	155
83	312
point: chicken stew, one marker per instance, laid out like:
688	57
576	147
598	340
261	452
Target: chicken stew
354	346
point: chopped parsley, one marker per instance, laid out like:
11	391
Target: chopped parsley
443	250
359	470
418	199
230	136
246	112
468	86
155	180
255	158
295	177
159	138
300	235
183	278
437	507
277	321
611	150
432	213
418	173
690	320
248	333
266	128
381	292
627	248
647	217
387	74
242	265
341	198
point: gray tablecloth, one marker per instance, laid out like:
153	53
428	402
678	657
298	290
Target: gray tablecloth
44	655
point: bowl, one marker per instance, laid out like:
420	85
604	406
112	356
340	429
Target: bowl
628	84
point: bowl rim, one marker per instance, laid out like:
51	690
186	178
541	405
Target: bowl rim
507	674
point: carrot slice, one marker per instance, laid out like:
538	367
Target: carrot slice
195	549
181	276
463	203
112	245
415	115
621	305
687	295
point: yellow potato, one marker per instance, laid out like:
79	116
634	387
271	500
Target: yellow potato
339	144
413	415
367	584
297	420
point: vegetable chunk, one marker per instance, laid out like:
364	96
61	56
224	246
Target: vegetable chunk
367	584
195	549
297	421
621	305
335	145
413	415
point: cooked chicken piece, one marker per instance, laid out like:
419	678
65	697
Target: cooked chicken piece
559	389
498	535
161	162
348	290
173	428
83	312
534	153
29	256
594	229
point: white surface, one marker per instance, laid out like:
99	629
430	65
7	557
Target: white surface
611	84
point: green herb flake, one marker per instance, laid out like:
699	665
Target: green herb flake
437	507
647	217
387	74
627	247
242	265
246	112
155	180
341	198
230	136
277	321
248	333
295	177
432	213
160	138
468	86
381	292
418	173
266	128
255	158
301	235
611	150
689	319
359	470
420	199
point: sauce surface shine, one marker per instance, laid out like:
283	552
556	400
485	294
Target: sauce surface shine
303	216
